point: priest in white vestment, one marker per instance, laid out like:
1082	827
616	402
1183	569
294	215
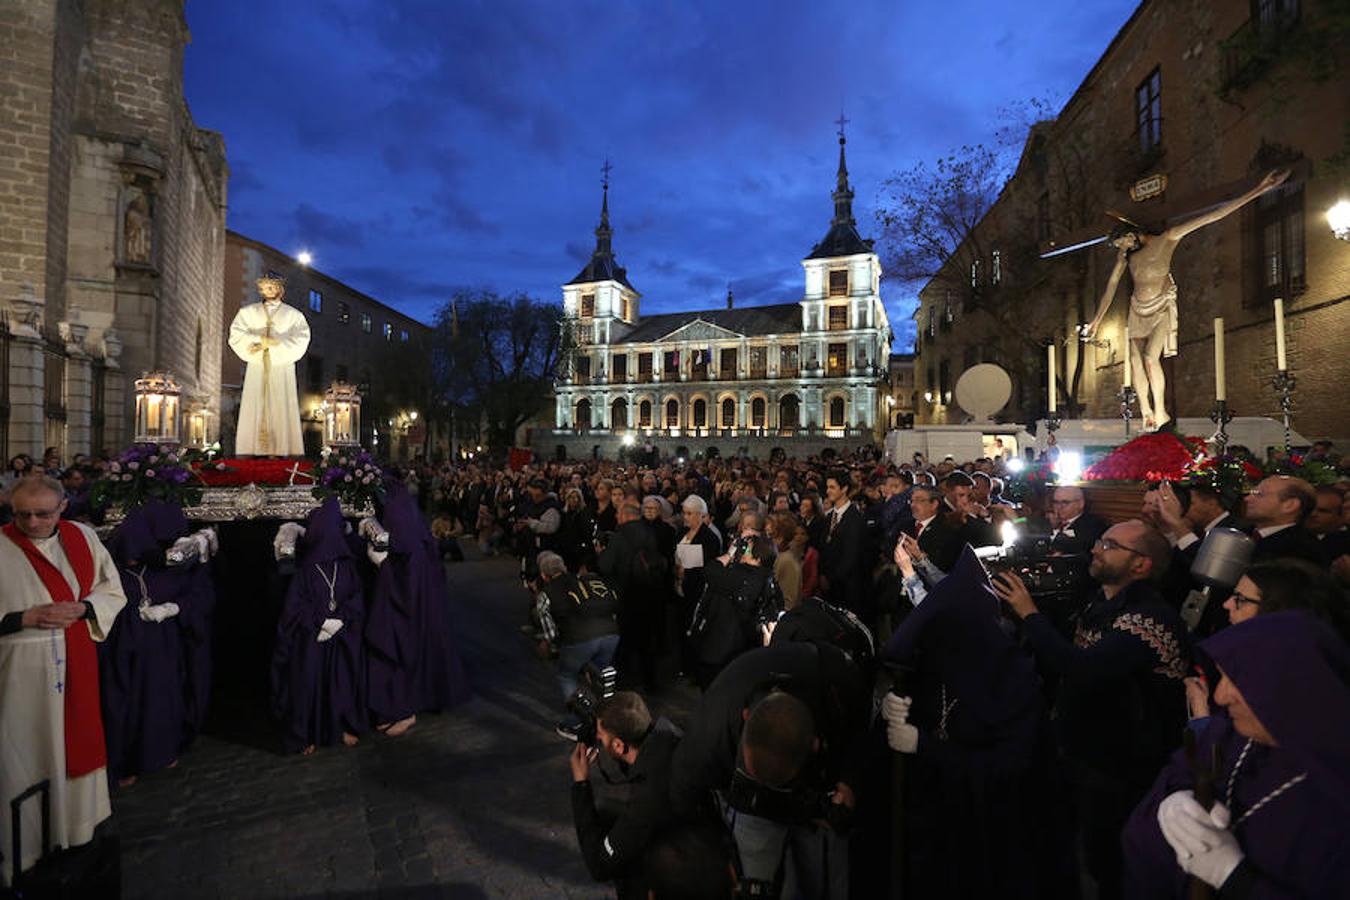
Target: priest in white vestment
59	593
271	337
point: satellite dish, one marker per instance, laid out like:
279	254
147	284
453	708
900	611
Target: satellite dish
983	390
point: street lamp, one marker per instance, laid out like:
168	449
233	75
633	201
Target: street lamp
1338	217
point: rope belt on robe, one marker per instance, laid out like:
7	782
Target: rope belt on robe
86	750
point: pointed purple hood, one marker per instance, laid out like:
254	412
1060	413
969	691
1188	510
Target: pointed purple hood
955	634
325	537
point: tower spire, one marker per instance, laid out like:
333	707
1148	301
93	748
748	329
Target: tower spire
602	265
843	194
604	233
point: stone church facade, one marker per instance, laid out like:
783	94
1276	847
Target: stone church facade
112	222
800	376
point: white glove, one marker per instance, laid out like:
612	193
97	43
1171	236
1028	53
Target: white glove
212	538
158	612
902	737
375	556
284	544
183	551
371	529
895	709
329	628
1204	846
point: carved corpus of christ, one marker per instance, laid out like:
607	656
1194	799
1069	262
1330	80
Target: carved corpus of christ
1152	318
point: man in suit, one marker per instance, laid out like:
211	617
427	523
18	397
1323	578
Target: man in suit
844	566
935	536
970	519
1186	515
1327	524
1075	530
1277	508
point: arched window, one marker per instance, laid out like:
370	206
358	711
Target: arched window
645	414
728	413
583	417
700	413
837	412
618	415
789	412
672	413
757	407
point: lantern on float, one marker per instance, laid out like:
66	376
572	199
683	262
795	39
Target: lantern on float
198	415
341	415
157	408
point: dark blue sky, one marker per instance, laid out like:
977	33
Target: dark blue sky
419	145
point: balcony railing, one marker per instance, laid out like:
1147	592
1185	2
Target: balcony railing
775	432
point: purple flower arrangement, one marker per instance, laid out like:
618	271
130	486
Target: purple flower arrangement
352	476
145	472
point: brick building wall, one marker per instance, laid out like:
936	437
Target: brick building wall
1216	132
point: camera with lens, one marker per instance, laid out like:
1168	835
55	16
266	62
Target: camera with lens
1056	582
794	804
594	686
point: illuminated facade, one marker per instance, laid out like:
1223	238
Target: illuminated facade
800	375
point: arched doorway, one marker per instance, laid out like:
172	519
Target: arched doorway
837	412
700	413
618	415
645	414
757	410
672	413
582	421
728	413
789	412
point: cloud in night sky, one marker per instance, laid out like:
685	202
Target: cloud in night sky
419	145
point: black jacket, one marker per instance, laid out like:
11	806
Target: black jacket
818	675
1121	704
582	607
620	561
940	541
1086	529
613	848
726	625
1294	542
844	561
694	580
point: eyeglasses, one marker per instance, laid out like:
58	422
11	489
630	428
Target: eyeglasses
1241	600
1063	502
36	513
1109	544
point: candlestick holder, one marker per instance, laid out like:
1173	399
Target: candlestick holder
1284	383
1220	415
1052	423
1127	396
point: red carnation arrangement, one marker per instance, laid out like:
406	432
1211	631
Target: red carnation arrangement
1149	457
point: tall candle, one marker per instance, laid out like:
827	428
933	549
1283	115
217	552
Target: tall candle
1280	362
1220	386
1050	354
1129	368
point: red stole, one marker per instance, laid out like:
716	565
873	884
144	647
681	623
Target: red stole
86	750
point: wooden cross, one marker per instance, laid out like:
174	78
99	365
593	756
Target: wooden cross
294	471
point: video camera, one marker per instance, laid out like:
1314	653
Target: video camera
594	686
795	804
1056	582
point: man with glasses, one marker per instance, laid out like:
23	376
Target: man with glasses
60	594
1075	531
1120	705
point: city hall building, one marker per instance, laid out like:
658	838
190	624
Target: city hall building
800	376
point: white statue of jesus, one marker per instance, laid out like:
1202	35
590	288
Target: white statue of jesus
271	337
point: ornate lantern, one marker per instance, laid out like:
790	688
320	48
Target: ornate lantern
156	408
199	422
342	415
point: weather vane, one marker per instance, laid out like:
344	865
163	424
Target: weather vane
605	170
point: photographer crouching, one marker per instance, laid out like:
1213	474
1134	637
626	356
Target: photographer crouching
776	746
578	618
613	841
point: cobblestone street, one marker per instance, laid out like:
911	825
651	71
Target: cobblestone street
469	804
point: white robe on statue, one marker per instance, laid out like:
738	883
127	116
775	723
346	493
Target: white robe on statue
32	710
269	410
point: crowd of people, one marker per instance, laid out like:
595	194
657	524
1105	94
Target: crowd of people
899	692
928	679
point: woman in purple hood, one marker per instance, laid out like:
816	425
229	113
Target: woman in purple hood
1282	787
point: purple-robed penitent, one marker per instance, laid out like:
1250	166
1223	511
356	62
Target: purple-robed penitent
142	673
982	822
318	688
1294	674
412	663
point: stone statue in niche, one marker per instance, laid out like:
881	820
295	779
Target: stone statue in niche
137	229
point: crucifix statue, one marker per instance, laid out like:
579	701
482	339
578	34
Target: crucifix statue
1152	321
